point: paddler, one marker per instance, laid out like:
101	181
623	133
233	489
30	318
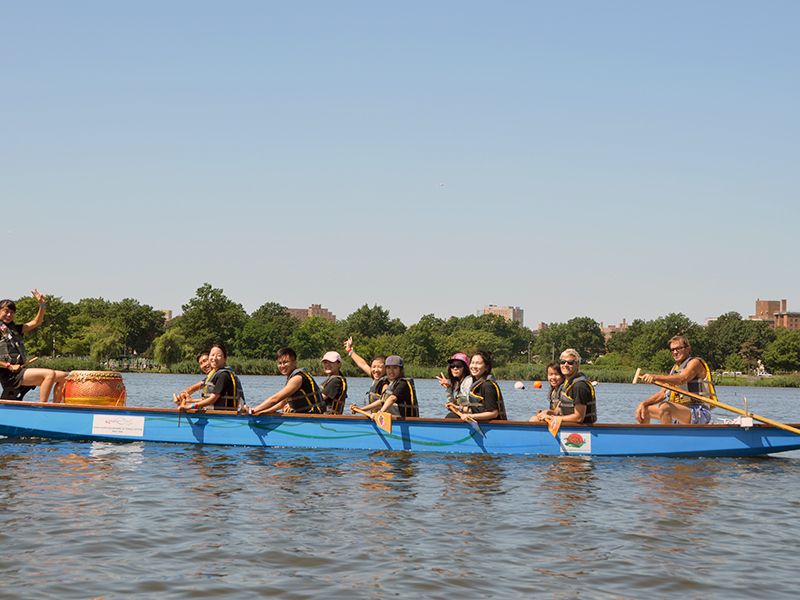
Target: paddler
458	381
205	368
301	394
485	400
555	378
376	370
400	396
689	373
334	390
222	389
574	399
15	378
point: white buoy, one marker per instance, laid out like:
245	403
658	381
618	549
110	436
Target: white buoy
519	386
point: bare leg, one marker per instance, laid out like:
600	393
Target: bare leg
45	379
669	411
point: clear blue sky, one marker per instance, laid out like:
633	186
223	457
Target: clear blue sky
603	159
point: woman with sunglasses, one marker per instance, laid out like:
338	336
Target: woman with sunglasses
458	381
575	398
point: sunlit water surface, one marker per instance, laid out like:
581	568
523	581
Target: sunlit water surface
99	520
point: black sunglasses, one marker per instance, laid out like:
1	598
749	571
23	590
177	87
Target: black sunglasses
568	362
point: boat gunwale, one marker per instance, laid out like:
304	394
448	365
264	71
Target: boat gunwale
228	413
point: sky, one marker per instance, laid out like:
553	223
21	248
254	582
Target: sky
616	160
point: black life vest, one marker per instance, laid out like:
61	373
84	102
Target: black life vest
376	391
405	407
566	405
229	401
12	348
336	405
701	387
308	399
477	398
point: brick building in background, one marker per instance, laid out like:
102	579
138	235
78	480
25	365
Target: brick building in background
510	313
315	310
774	312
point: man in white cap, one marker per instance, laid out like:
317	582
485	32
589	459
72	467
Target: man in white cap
334	390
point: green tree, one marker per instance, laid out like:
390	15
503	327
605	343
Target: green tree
170	348
258	340
314	337
210	317
104	341
783	355
138	324
373	322
277	316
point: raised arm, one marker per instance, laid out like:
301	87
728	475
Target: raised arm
39	315
360	362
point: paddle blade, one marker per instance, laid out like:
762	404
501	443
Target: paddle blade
384	421
553	426
474	424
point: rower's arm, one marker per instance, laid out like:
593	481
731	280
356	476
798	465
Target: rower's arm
694	370
278	399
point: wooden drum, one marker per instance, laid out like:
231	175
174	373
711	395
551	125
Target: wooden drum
103	388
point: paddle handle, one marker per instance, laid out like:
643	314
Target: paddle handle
638	374
361	412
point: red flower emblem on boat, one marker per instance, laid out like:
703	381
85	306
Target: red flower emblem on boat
575	440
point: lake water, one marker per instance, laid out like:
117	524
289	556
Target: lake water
98	520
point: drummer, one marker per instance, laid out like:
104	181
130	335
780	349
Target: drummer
16	378
205	367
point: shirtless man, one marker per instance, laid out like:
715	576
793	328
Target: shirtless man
689	373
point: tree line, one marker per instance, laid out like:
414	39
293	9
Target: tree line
102	329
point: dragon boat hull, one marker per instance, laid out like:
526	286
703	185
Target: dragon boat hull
129	424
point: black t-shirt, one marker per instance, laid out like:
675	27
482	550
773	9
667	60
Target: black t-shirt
581	393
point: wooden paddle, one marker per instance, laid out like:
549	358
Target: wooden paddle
469	419
713	402
180	407
384	420
553	424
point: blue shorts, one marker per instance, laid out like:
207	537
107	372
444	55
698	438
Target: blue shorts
700	415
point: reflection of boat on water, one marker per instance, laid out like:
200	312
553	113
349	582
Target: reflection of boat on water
89	423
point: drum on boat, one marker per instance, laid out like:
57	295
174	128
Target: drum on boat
104	388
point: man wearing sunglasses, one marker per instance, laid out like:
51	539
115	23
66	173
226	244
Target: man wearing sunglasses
689	373
575	402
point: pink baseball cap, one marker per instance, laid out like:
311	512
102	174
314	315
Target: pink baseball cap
332	357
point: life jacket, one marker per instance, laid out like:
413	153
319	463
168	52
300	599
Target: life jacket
336	405
701	387
12	348
232	401
308	399
566	405
205	390
406	408
477	398
375	392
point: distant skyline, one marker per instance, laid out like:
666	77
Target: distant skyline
616	160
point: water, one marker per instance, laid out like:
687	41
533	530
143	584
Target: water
85	521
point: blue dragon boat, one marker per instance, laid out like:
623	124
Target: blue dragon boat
131	424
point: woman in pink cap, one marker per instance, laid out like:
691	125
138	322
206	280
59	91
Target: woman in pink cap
458	381
334	390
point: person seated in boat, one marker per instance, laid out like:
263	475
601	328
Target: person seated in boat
555	378
485	401
376	370
334	390
16	378
301	394
222	389
458	382
575	400
400	396
689	373
205	368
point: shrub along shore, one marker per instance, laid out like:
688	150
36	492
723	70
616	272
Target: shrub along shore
512	372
